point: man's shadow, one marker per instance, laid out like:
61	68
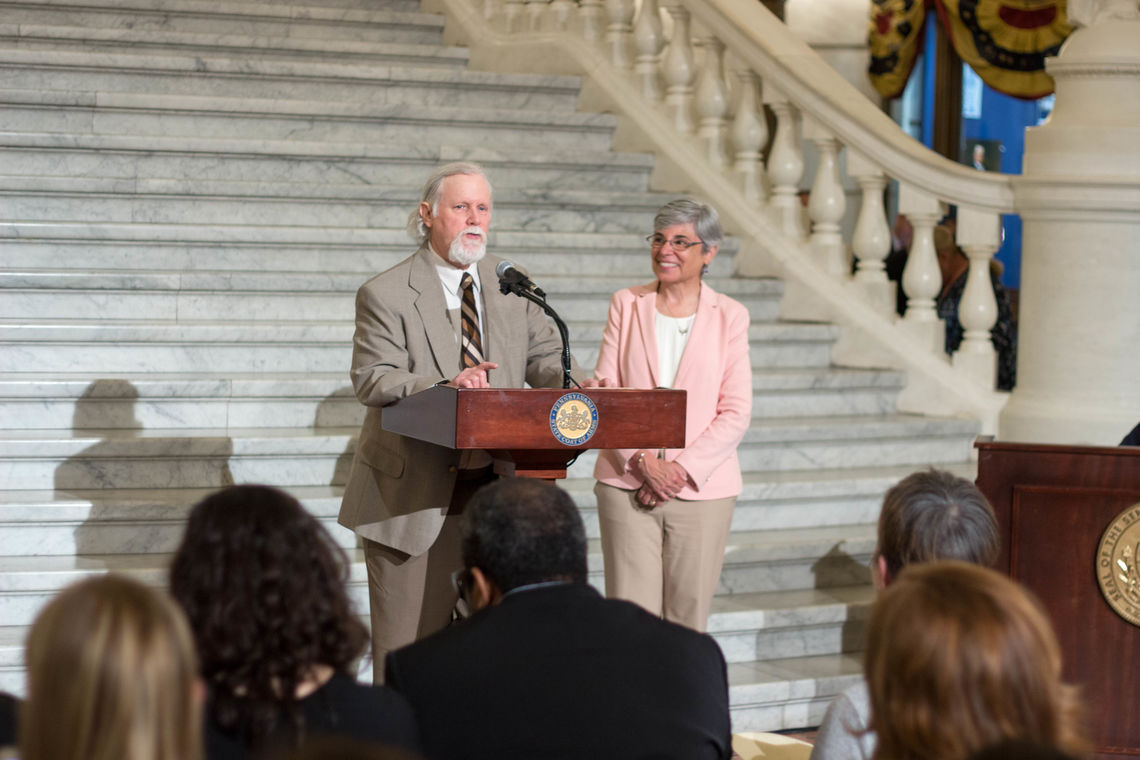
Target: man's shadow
340	409
125	476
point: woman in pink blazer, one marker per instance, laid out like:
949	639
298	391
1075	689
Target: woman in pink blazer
665	514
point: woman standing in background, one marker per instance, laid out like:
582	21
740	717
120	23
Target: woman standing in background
665	515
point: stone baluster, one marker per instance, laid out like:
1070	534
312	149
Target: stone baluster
785	165
535	10
512	15
749	134
591	14
827	202
648	41
979	235
712	101
922	278
872	238
561	12
620	15
678	68
490	8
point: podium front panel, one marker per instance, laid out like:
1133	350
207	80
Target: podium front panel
1053	504
512	419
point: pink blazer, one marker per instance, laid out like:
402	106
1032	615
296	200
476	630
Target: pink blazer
716	371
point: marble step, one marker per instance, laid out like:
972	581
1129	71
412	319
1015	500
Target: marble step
276	119
28	583
840	442
799	623
30	402
241	75
125	347
309	164
132	521
798	533
142	521
753	630
801	498
242	247
749	625
117	521
256	19
281	297
60	199
156	458
765	695
394	5
778	694
52	38
409	6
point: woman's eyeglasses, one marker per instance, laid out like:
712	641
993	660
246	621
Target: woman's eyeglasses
680	245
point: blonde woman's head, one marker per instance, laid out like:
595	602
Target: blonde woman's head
111	676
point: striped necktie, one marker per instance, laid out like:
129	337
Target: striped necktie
472	341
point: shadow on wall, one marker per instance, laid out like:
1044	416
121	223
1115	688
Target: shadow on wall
837	569
139	521
340	410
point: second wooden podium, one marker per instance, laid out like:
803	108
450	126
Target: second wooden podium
538	432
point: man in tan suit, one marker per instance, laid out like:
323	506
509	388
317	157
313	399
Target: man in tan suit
404	496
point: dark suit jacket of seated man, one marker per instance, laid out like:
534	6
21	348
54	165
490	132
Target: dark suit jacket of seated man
547	668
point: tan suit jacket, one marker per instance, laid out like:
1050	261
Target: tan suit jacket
399	488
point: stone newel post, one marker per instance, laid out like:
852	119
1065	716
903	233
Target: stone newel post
1078	358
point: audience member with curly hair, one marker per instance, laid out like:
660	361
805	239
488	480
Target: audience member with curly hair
262	584
111	676
959	658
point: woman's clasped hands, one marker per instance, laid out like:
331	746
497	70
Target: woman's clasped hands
662	480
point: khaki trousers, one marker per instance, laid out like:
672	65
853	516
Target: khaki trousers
666	559
411	597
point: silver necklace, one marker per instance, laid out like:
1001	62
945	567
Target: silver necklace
683	330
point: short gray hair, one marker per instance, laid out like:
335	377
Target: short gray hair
417	230
936	515
702	216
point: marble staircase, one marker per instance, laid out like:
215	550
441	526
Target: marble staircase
190	193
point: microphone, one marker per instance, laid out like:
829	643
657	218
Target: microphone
512	278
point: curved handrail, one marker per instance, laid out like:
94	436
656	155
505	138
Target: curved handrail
755	35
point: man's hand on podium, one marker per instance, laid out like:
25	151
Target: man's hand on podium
474	377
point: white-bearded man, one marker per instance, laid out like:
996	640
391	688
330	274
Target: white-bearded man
404	497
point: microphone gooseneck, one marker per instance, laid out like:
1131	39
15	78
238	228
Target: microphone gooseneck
513	280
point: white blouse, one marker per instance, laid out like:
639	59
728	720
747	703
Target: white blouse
672	337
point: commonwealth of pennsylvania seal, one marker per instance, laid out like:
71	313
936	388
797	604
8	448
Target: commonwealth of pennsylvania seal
574	419
1118	564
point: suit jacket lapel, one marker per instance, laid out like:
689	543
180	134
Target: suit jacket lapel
647	326
706	308
432	308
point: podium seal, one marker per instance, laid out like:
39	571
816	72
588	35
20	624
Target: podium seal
1118	564
574	419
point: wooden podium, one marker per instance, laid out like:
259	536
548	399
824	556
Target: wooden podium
517	425
1053	505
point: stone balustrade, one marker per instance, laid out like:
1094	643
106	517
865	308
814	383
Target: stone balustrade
720	90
